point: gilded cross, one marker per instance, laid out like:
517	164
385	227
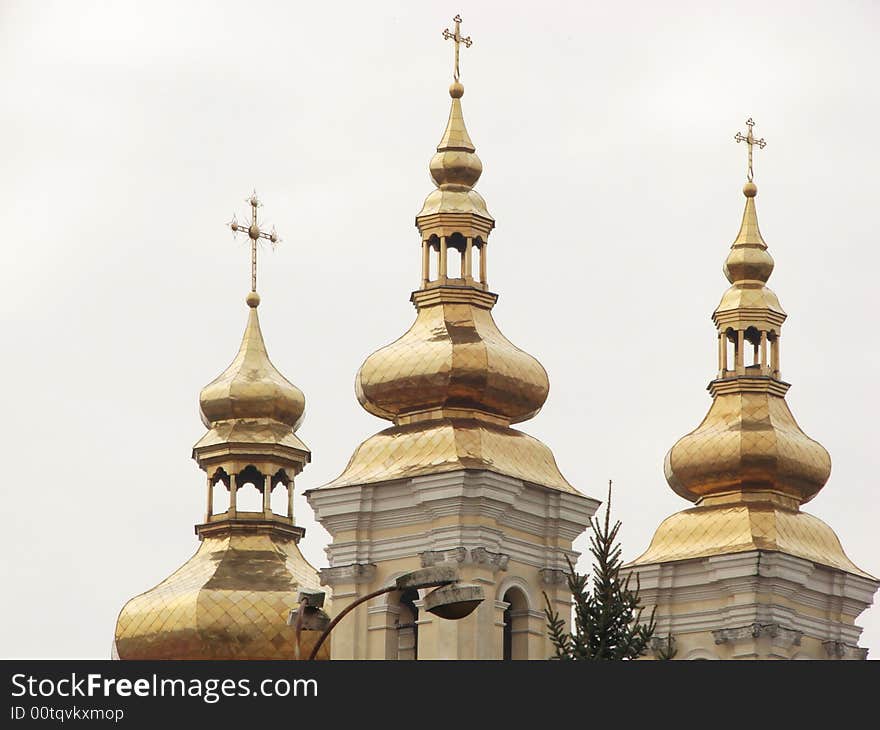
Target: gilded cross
254	233
458	40
750	140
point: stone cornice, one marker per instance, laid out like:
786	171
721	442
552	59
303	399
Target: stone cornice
472	556
356	573
424	499
779	635
453	537
553	577
842	650
777	584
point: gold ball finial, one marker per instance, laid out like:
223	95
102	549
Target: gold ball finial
456	90
750	190
253	299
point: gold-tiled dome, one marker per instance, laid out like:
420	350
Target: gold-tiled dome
453	383
251	387
749	440
453	359
232	598
229	601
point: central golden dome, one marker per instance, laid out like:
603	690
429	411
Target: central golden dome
452	361
453	383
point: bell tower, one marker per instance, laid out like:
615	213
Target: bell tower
232	598
745	573
451	480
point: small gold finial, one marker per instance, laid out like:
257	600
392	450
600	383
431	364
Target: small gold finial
254	233
750	140
456	36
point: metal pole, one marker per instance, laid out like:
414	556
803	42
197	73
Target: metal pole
345	611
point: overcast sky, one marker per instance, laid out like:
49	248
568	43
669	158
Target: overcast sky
132	131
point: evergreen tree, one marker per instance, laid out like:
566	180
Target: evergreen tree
607	616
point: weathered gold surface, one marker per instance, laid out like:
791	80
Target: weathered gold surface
748	465
453	384
749	302
251	388
748	441
451	445
709	530
453	356
229	601
455	168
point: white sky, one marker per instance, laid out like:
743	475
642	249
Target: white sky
132	131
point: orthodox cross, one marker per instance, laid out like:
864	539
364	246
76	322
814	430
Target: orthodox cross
254	233
750	140
458	40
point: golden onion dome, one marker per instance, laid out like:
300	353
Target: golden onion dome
251	387
749	265
230	600
455	168
749	259
749	441
456	161
453	362
736	524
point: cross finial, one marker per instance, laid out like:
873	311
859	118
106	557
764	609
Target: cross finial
750	140
456	36
254	233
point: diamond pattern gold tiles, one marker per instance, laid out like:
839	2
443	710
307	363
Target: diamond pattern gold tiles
748	441
229	601
717	530
449	445
748	465
453	356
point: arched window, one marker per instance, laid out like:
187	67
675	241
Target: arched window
729	349
476	252
219	492
279	500
456	242
516	625
249	490
433	258
753	353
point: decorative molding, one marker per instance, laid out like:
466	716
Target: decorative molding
355	573
473	556
696	595
553	577
842	650
432	557
481	556
427	498
663	647
779	635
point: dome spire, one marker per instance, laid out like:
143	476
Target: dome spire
749	443
231	599
454	216
453	377
252	413
748	467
